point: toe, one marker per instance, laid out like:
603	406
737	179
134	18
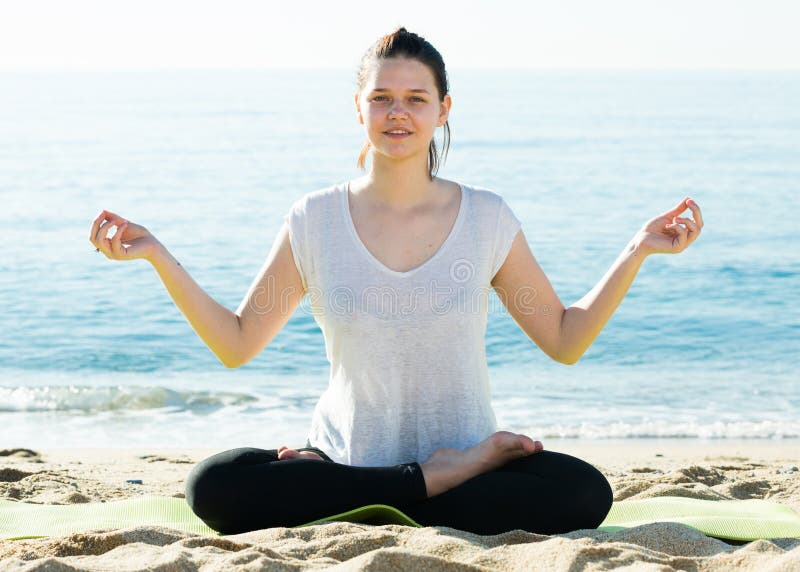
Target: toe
287	453
528	445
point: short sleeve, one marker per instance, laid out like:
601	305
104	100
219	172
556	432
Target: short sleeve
506	229
296	224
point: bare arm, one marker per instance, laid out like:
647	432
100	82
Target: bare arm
524	289
562	333
665	233
583	321
216	325
566	333
235	338
272	299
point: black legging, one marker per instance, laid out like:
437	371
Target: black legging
246	489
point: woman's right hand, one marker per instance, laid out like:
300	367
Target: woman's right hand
131	240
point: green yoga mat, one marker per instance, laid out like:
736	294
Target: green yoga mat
732	520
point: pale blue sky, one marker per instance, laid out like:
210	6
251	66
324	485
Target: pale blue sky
689	34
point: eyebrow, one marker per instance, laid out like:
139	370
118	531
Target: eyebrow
413	90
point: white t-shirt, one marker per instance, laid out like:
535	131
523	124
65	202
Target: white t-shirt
408	370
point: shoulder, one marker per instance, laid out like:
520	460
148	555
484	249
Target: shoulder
319	199
483	199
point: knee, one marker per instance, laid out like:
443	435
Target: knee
195	486
203	490
596	497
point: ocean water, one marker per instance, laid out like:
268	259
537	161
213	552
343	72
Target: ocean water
93	352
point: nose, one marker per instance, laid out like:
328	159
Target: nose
396	110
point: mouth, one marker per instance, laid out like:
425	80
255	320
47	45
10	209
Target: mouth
397	133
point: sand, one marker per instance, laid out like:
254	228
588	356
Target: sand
706	470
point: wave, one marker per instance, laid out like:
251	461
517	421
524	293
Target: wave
89	399
739	429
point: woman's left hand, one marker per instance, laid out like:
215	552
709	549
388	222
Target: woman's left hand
665	232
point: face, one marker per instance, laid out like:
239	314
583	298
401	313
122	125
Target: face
401	94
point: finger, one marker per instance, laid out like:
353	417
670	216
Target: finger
117	249
698	216
104	246
95	225
677	209
102	232
102	241
690	224
113	217
681	234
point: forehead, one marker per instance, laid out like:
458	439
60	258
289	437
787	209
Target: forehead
397	73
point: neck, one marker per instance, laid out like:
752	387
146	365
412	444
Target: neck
400	184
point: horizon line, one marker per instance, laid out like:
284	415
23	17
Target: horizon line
354	68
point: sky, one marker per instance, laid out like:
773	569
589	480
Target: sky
551	34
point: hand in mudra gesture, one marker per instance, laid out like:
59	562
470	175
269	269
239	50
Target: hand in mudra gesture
131	240
666	233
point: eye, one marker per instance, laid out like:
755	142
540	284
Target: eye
383	97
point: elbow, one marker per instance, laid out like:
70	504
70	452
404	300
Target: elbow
563	353
231	362
569	360
563	358
236	361
232	356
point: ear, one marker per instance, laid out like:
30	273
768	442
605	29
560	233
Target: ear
444	110
358	110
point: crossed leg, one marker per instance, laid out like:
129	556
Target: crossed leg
547	492
248	488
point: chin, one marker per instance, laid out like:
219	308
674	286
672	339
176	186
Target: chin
402	156
399	152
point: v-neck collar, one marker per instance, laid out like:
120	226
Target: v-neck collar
462	207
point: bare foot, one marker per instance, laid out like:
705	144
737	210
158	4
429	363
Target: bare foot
285	452
448	468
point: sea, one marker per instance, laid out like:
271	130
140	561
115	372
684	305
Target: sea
94	353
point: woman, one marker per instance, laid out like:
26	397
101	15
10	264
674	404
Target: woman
397	265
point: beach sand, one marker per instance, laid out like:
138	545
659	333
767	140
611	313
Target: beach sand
646	468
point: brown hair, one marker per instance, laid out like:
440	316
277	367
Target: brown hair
404	44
